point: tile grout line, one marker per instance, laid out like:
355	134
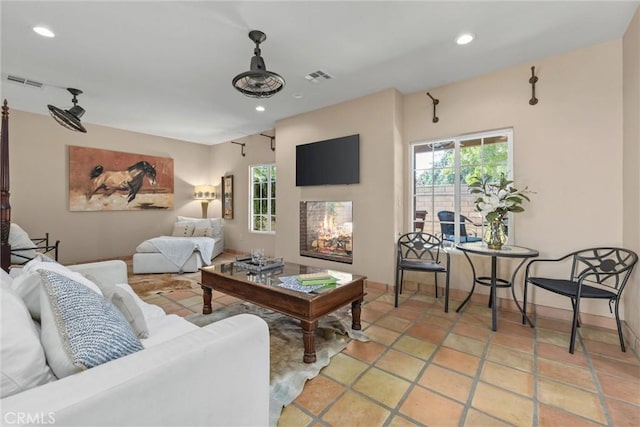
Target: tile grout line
596	381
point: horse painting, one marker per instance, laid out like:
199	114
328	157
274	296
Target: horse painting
130	180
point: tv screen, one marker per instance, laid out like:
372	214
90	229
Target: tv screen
331	162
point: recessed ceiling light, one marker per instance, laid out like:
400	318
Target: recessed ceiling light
297	95
260	108
464	38
44	31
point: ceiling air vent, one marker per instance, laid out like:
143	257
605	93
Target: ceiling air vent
23	81
318	76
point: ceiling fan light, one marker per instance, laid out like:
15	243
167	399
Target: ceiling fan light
258	82
70	118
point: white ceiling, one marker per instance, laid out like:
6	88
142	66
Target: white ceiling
165	67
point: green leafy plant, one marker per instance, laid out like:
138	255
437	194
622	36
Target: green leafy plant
495	200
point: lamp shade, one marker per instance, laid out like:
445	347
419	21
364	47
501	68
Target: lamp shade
204	192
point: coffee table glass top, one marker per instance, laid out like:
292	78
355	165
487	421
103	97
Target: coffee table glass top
277	276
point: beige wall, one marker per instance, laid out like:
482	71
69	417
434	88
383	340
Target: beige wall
631	154
227	159
567	148
39	160
373	198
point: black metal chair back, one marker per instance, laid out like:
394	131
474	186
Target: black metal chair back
604	267
418	251
600	273
447	226
419	246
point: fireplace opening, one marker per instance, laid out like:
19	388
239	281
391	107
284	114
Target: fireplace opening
326	230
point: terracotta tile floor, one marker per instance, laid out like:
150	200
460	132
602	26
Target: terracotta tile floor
426	367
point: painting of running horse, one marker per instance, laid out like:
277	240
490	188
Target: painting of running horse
105	180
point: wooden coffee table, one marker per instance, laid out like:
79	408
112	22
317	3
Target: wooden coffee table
263	289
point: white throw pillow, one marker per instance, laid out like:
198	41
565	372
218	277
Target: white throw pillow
23	361
150	311
125	303
183	229
27	284
203	232
19	239
80	329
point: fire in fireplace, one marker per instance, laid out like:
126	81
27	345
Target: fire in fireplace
326	230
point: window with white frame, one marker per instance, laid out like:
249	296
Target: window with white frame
441	171
262	198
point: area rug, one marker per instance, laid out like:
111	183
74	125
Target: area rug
288	372
148	284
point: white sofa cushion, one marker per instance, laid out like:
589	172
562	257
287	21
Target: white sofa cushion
23	361
166	328
80	329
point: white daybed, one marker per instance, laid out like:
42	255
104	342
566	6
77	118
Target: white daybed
192	245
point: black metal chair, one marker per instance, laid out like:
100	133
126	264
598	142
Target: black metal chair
600	273
421	252
447	227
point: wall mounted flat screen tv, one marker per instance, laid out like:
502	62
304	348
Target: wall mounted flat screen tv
331	162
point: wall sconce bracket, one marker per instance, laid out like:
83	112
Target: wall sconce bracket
273	141
241	144
533	80
435	102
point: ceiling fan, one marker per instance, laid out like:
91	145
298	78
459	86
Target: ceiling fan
69	118
258	82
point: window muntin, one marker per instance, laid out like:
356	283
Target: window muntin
441	170
262	198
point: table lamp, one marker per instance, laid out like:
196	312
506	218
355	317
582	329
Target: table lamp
204	193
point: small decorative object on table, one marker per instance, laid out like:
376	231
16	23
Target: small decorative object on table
258	264
494	201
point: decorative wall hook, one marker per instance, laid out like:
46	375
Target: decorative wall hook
241	144
273	141
533	80
435	102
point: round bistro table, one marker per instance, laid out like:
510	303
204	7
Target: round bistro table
507	251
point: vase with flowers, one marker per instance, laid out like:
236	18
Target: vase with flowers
494	200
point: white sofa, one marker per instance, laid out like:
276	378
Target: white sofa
184	376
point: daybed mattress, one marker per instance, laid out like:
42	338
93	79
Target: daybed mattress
147	259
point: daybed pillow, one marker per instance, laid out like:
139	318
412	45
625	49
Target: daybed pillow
182	229
23	362
27	284
19	239
203	232
215	223
80	329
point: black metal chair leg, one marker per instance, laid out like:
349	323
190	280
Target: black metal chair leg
619	325
436	280
574	327
397	289
446	294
